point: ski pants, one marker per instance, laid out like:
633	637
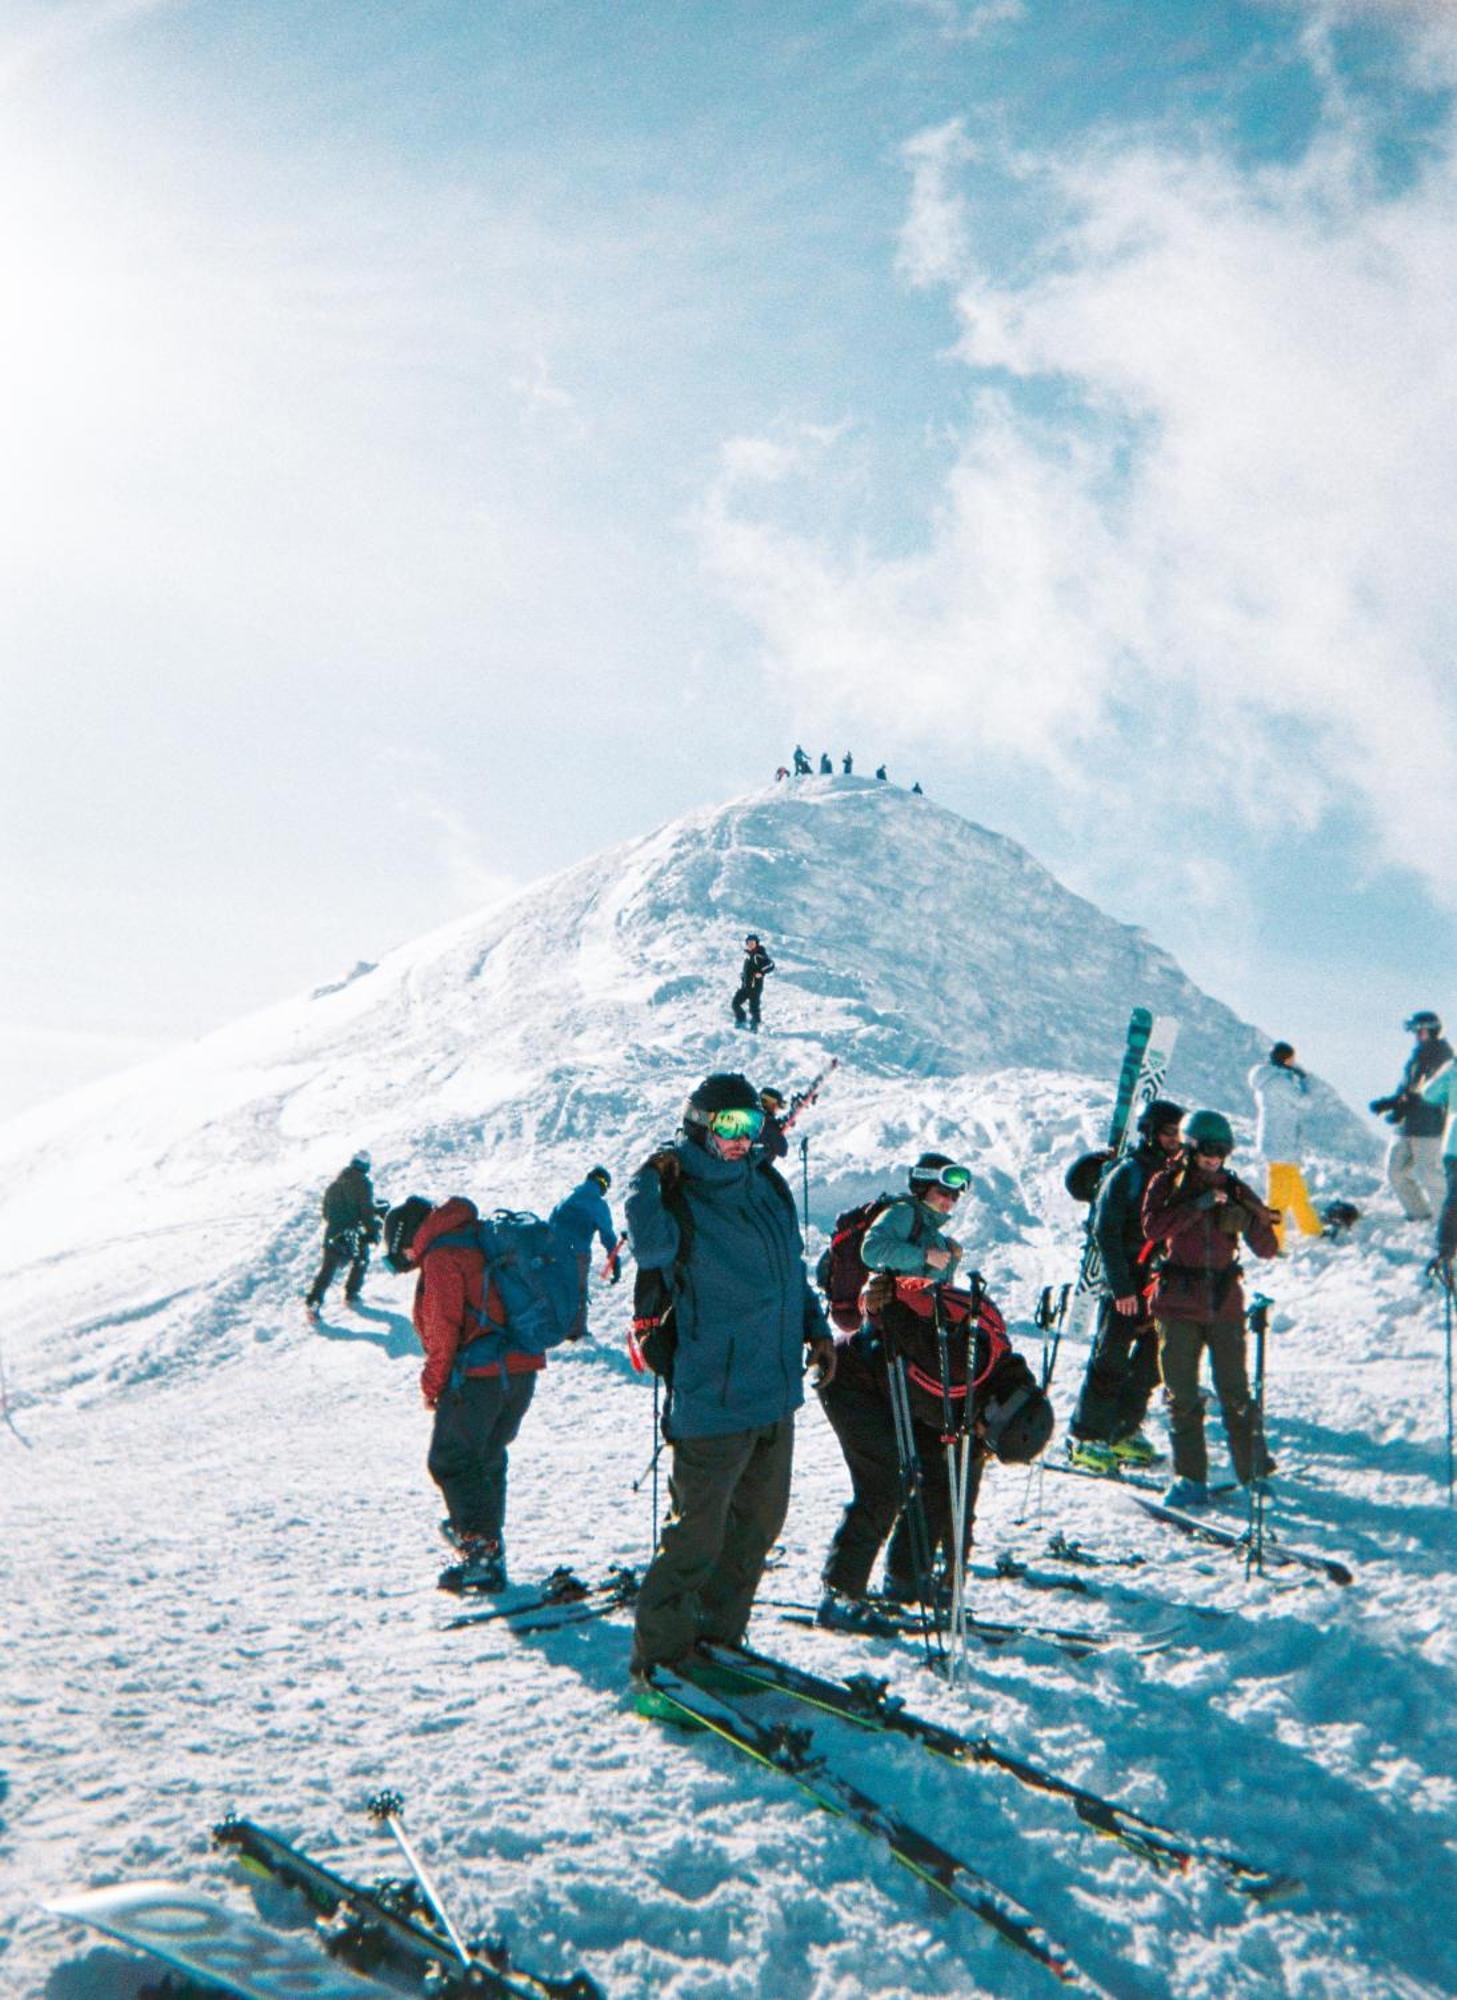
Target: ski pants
474	1427
1287	1194
1182	1344
729	1496
749	994
1414	1168
351	1248
861	1419
1447	1222
1122	1373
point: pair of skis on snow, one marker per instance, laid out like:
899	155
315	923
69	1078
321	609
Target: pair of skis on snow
397	1928
792	1751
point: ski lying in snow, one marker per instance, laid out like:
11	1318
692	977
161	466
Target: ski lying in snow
565	1593
391	1926
792	1752
868	1703
1238	1538
231	1950
1007	1569
887	1620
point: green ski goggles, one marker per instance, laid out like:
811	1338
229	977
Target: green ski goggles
957	1179
736	1124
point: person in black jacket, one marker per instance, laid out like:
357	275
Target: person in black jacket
1414	1164
1123	1368
351	1225
757	964
772	1139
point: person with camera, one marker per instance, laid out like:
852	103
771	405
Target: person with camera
1414	1163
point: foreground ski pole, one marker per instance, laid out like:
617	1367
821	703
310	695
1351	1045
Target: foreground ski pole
1049	1318
804	1174
387	1807
1259	1322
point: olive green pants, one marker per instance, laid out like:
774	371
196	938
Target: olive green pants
1182	1344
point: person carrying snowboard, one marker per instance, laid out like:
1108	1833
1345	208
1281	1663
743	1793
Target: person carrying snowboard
913	1260
1123	1366
1414	1163
1197	1213
580	1216
1281	1089
756	968
478	1408
351	1226
717	1224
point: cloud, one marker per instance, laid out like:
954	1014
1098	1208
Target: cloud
969	20
58	30
1203	506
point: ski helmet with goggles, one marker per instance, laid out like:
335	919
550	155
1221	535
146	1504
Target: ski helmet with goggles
601	1176
1423	1018
940	1170
1208	1132
725	1104
1157	1116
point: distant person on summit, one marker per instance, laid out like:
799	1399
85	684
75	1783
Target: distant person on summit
1414	1164
847	764
881	773
1281	1089
757	966
827	769
351	1225
580	1216
802	765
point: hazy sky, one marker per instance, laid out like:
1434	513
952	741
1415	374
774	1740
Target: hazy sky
441	439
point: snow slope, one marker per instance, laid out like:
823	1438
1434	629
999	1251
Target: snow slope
219	1540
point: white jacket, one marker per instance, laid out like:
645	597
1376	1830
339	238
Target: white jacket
1279	1103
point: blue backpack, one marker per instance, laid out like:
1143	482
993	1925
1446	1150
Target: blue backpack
537	1281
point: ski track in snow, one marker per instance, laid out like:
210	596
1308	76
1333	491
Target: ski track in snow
219	1539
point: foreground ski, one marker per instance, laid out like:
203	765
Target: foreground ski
883	1619
233	1951
792	1752
868	1703
1226	1537
387	1926
552	1603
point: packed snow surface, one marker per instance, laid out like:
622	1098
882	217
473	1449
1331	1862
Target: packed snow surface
220	1542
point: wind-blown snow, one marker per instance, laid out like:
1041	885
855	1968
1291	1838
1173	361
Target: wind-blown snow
219	1536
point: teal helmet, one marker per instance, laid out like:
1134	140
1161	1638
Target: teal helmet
1207	1128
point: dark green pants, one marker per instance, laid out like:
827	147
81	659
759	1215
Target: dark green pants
1181	1349
729	1496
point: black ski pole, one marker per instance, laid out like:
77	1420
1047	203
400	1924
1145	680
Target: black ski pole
804	1171
913	1499
1050	1318
1447	1288
1259	1321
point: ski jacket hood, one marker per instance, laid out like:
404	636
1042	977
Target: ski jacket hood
742	1301
451	1299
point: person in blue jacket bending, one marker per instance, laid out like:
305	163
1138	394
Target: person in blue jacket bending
580	1216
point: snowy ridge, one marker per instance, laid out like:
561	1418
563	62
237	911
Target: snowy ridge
219	1540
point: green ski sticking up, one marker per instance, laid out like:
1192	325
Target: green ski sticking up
792	1752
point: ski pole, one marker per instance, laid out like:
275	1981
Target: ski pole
913	1499
1259	1320
804	1172
1050	1318
387	1807
1445	1279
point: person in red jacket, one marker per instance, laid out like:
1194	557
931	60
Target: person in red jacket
478	1407
1198	1213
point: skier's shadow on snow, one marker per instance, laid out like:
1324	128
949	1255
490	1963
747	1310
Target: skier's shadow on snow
396	1336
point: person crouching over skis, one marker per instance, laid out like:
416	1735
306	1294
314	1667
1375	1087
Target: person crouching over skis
1198	1213
478	1409
718	1222
929	1368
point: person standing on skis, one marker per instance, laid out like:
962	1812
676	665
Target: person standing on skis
1198	1213
756	968
1123	1367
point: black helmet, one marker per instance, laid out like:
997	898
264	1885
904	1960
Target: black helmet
601	1176
1157	1115
725	1090
1281	1052
1207	1128
1423	1018
400	1227
1015	1413
770	1096
362	1159
940	1170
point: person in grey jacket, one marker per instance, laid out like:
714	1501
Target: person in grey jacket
1414	1164
717	1221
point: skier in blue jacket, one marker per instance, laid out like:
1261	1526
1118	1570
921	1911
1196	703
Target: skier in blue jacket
580	1216
718	1222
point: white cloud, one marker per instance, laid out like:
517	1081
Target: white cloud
1233	539
969	20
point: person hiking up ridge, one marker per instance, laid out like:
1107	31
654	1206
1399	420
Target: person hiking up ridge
756	968
718	1223
1198	1213
1123	1368
351	1226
